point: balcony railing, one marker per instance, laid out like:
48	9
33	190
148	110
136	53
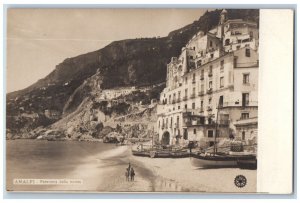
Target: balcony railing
178	100
210	74
209	91
223	122
184	98
193	81
192	96
202	77
201	110
173	101
201	93
240	104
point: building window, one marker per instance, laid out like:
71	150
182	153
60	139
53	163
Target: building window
185	80
199	63
210	85
201	104
222	66
251	35
194	77
193	105
209	101
246	78
195	131
210	133
247	52
178	107
211	56
185	106
221	101
185	134
221	81
244	115
167	122
210	43
243	135
191	57
245	99
227	42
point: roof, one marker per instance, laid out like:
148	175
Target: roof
224	11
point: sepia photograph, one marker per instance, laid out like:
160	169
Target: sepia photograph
132	100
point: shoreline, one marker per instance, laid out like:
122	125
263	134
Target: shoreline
103	170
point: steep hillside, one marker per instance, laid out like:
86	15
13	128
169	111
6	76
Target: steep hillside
122	63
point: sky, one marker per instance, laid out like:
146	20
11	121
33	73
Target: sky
40	39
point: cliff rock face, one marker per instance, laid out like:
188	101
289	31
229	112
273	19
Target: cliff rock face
122	63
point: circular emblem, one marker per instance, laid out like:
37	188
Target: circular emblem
240	181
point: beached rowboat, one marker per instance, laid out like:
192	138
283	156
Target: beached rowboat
202	160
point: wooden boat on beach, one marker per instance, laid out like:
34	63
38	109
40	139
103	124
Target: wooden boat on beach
161	152
204	160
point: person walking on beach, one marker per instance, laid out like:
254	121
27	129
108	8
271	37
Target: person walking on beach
132	174
127	174
129	167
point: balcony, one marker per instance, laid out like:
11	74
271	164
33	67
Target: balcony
201	110
223	122
193	120
193	81
202	77
178	100
173	101
201	93
192	96
209	91
210	74
240	104
184	98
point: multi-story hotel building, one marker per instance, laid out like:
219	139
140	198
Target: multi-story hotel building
215	74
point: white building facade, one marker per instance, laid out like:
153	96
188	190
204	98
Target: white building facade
219	69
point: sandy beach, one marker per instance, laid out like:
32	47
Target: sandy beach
101	167
158	175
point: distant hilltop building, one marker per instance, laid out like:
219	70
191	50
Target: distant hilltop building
110	94
219	68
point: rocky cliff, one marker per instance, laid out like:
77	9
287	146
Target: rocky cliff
77	80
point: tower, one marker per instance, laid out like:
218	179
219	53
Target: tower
223	17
